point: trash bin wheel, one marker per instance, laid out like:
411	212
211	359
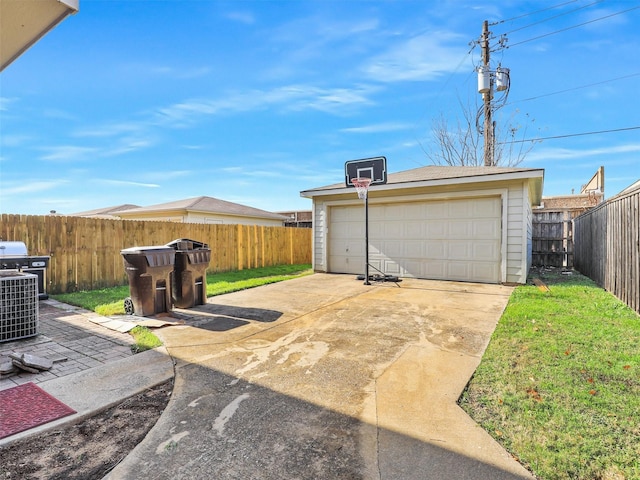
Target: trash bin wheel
128	306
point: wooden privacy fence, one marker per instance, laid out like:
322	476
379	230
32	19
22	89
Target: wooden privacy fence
85	252
552	239
607	246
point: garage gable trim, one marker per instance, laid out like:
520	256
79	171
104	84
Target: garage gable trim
536	175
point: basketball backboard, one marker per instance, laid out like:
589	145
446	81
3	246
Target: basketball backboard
374	168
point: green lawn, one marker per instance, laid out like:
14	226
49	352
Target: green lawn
559	384
110	301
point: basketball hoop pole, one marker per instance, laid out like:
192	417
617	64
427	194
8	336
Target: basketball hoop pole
366	240
362	186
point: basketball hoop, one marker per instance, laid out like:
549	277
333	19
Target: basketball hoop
362	185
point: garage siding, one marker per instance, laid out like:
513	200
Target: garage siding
516	253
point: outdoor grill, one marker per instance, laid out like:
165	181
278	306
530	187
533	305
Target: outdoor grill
14	256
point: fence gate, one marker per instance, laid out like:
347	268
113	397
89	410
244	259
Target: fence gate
553	239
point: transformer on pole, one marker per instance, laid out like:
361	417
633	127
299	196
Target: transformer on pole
487	80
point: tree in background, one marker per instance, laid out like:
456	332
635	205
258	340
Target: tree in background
462	144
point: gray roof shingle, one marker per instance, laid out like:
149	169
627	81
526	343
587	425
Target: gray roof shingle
208	205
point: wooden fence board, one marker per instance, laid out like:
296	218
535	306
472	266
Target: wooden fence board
608	246
552	239
85	252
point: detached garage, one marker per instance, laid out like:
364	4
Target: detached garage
447	223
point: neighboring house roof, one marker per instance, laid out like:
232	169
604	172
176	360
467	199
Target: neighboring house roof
439	175
631	187
205	205
106	212
572	202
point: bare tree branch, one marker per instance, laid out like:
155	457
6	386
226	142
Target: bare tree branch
463	144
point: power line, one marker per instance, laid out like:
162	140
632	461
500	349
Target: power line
539	139
574	88
555	16
533	13
573	26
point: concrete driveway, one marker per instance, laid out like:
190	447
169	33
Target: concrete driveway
323	377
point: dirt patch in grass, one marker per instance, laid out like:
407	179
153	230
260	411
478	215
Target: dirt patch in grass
89	449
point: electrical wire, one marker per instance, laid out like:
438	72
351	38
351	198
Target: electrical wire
574	88
539	139
573	26
551	18
533	13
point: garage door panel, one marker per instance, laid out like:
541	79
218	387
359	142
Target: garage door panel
446	239
413	229
487	228
434	249
435	269
347	214
486	272
457	270
435	210
436	229
485	251
459	250
486	207
412	249
460	228
392	268
376	230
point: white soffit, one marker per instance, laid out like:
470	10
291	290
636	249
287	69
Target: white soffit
24	22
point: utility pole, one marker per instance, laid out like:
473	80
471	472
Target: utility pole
489	161
487	80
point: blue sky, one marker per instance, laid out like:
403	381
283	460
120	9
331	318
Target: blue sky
146	102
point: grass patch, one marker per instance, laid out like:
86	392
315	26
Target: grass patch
220	283
110	301
559	384
145	339
104	301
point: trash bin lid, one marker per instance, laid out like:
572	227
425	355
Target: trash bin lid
143	250
186	244
157	256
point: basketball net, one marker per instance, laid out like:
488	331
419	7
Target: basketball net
362	186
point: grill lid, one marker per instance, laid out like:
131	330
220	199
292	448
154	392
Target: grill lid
13	249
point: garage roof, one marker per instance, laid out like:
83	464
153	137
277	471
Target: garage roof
433	175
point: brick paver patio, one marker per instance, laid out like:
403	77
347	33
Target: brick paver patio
67	337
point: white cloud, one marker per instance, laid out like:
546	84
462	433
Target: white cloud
14	140
126	145
167	175
110	130
423	57
289	97
149	70
5	102
378	128
32	187
247	18
58	114
126	183
566	153
68	153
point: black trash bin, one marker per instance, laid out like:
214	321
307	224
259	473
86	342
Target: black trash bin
189	277
149	271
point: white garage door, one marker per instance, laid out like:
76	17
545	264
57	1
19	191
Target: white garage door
446	240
